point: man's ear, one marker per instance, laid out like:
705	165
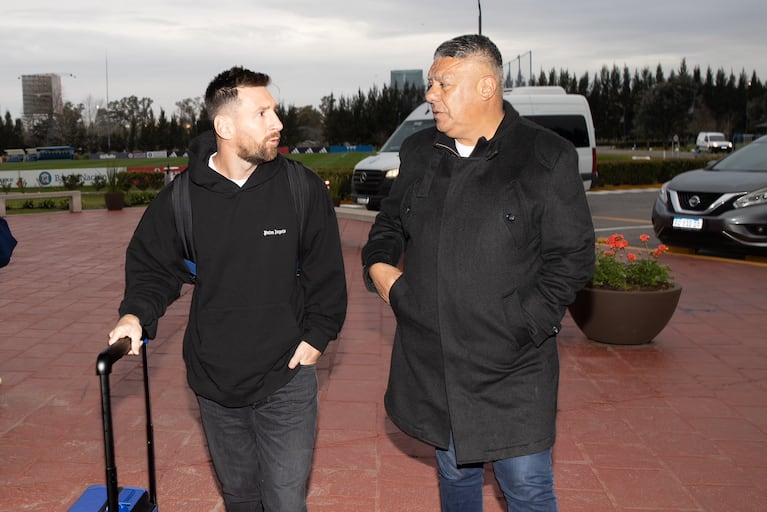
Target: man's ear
223	126
488	86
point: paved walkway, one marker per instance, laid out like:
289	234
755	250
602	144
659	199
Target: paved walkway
676	425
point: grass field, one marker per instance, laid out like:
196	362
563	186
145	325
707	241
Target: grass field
316	161
330	163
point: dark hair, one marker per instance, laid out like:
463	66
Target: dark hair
223	88
472	45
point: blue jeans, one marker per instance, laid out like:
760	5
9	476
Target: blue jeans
527	482
262	453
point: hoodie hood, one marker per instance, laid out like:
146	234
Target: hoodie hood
200	150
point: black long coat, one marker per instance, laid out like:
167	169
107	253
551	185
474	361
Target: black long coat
495	245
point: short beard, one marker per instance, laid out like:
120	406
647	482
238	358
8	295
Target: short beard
261	154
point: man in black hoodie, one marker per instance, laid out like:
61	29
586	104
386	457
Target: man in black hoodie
256	325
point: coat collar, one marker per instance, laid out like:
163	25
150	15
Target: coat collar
485	148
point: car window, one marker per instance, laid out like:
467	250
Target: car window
572	127
405	130
750	158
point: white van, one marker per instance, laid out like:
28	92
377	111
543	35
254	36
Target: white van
712	142
566	114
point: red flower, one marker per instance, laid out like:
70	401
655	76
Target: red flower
618	269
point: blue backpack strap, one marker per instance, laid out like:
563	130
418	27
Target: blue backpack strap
182	212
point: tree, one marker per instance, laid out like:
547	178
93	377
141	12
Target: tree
664	110
11	133
70	127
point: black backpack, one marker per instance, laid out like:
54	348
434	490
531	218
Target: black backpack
182	211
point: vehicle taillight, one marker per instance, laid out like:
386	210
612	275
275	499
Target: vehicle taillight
594	172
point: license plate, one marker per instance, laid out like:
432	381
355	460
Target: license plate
687	223
363	200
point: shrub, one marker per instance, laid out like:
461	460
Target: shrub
139	198
650	172
99	182
73	181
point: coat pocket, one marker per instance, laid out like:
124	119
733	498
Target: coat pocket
515	214
515	320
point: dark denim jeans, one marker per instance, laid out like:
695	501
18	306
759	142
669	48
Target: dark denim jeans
527	482
262	453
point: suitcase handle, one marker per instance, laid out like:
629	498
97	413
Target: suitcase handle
111	355
104	362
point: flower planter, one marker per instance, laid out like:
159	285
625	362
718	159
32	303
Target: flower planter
114	200
624	317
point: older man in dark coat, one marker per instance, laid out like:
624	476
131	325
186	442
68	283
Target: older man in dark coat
491	216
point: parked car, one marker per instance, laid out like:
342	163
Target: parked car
723	206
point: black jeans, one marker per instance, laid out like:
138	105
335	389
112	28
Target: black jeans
262	453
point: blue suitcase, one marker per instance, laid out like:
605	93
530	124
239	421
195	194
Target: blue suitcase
110	497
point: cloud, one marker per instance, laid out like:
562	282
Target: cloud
169	50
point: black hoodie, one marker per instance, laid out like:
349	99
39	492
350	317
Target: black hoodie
249	310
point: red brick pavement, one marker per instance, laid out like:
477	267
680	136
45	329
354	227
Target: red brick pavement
676	425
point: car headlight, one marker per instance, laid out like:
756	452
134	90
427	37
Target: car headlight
752	199
663	193
392	173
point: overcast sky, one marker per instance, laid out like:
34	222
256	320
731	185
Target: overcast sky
168	50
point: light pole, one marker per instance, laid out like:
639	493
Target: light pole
519	69
109	121
748	86
479	7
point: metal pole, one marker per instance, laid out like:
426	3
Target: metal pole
530	76
109	123
479	6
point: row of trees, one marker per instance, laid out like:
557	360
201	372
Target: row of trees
642	107
650	107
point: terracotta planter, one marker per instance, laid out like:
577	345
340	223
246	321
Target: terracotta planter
114	200
624	317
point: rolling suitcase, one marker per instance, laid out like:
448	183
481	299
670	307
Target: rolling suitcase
110	497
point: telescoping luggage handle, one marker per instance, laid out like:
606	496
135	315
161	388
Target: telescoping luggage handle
106	359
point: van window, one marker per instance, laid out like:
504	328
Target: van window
405	130
571	127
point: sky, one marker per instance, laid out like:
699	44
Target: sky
169	50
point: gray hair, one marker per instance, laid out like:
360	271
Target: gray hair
473	45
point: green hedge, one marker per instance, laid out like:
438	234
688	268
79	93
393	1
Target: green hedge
650	172
340	181
142	180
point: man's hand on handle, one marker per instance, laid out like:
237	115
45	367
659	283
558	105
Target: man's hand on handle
128	326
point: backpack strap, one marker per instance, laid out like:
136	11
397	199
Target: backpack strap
299	190
182	212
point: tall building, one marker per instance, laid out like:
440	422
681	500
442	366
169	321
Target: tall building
41	94
401	76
